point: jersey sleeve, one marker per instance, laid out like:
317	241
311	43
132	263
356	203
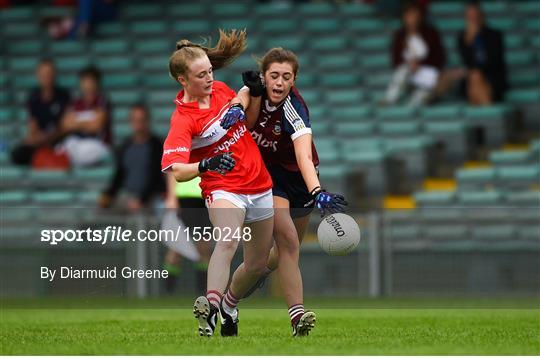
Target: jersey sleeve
295	118
177	145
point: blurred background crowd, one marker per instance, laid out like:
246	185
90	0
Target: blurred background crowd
415	104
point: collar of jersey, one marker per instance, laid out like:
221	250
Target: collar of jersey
271	108
192	105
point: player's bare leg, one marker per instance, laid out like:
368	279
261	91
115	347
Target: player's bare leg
223	214
256	248
288	247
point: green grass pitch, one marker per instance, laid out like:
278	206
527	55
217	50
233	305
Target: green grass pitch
344	326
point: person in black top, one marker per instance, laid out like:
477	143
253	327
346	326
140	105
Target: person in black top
138	165
46	106
482	52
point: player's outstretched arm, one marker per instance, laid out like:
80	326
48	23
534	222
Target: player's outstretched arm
254	83
236	111
185	172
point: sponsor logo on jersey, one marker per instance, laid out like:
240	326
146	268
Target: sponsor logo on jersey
175	150
237	134
263	142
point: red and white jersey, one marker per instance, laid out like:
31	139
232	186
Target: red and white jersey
196	134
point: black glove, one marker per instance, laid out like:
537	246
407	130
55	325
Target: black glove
254	81
221	163
328	203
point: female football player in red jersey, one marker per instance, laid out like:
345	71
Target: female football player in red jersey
234	179
279	122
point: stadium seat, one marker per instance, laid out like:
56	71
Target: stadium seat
352	129
110	29
116	63
157	64
519	58
510	157
115	46
290	42
160	81
17	14
524	96
142	10
149	27
61	48
519	174
311	96
523	198
355	9
88	198
305	80
238	24
365	25
441	112
68	81
230	9
186	10
272	9
373	62
322	25
475	177
196	27
53	198
338	80
102	173
12	173
373	43
14	197
335	62
402	231
529	232
328	43
121	80
479	198
494	232
271	26
495	7
445	232
450	24
308	9
345	97
23	64
503	24
25	47
351	113
39	177
442	9
434	198
124	97
395	113
399	129
21	29
74	63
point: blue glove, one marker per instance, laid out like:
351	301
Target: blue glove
233	115
328	203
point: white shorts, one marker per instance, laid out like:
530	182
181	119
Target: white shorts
256	207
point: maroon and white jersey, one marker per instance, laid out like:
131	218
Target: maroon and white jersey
196	134
278	126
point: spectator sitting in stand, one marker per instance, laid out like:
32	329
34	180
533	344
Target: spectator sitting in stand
417	56
482	52
86	123
46	105
138	165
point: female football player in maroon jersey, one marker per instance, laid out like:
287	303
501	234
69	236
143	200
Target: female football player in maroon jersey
279	122
234	180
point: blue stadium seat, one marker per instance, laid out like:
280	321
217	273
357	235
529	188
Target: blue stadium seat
113	46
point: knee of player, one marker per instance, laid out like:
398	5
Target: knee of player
256	268
287	242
